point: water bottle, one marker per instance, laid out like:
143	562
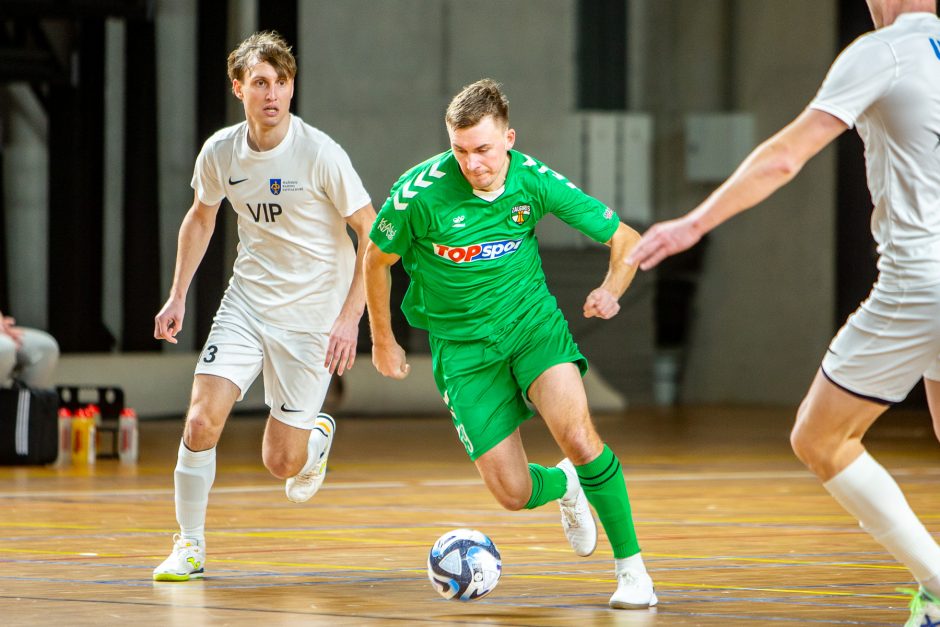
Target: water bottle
83	437
127	436
94	414
65	437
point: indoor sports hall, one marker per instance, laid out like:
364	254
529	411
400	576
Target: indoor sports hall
647	106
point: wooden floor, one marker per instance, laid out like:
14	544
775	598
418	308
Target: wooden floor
733	530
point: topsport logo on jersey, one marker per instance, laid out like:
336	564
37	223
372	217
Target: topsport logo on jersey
477	252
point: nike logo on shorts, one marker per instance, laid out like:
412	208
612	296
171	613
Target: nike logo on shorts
290	411
231	182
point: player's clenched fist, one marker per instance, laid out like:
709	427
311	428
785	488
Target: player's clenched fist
390	360
169	321
601	304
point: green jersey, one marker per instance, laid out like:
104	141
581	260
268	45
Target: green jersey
473	259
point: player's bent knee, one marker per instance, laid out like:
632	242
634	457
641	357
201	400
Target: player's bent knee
511	497
803	443
283	465
801	440
586	452
200	432
815	450
582	446
511	489
511	502
801	446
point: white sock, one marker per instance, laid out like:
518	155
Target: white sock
866	490
315	445
313	452
932	585
634	563
194	474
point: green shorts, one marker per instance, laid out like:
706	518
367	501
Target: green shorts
484	382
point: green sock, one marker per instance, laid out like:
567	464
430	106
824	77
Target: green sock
604	487
548	484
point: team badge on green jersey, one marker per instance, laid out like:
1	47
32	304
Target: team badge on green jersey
520	213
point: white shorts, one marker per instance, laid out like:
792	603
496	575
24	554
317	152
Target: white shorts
295	381
887	345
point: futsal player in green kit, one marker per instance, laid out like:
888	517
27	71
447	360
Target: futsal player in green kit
463	224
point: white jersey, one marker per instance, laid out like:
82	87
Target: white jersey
295	260
887	83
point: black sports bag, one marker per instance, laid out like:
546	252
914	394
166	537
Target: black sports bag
29	425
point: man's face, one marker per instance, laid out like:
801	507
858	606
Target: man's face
481	151
266	96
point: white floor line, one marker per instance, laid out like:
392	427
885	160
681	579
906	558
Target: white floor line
272	487
275	486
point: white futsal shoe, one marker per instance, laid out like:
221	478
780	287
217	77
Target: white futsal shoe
634	591
925	609
576	517
302	487
187	561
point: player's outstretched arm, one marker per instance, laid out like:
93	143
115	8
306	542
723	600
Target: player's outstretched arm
603	302
344	336
387	355
194	236
768	168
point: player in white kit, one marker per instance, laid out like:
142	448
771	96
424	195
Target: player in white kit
292	307
887	85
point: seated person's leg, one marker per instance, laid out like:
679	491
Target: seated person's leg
37	358
7	359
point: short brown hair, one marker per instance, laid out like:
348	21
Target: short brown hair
262	47
475	102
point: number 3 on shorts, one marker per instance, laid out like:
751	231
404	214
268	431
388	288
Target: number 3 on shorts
210	353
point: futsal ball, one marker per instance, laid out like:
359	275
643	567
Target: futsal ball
464	565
